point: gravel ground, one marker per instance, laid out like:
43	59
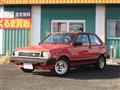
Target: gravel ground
83	78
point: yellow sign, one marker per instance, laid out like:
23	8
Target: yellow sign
15	23
59	2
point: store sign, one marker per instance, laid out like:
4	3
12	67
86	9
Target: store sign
15	23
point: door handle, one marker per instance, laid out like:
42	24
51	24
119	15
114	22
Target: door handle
90	47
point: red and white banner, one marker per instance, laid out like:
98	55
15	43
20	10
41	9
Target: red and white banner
15	23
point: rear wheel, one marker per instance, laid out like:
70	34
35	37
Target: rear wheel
61	66
27	70
101	63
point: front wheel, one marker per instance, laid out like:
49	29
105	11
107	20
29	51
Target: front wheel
61	66
101	63
27	70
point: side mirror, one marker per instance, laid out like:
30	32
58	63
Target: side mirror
77	44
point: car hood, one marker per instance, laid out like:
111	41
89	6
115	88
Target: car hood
43	47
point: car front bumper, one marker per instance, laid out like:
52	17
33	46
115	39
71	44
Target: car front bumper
33	60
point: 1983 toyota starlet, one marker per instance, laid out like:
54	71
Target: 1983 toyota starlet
59	52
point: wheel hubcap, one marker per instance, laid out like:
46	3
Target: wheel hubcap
61	67
101	63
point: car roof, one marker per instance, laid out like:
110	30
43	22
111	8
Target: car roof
73	33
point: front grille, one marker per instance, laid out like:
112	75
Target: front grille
30	54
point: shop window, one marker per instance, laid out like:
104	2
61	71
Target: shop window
113	29
67	25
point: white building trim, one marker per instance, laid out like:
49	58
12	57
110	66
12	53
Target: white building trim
1	30
100	21
36	24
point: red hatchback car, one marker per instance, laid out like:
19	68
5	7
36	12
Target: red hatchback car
59	52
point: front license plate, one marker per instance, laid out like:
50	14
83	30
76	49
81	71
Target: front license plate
28	66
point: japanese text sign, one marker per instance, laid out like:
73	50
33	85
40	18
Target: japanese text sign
15	23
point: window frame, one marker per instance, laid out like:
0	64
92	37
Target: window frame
68	21
108	37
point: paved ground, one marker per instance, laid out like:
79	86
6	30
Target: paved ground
84	78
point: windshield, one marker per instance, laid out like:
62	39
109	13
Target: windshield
64	38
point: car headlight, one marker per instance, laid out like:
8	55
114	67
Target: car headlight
46	54
16	53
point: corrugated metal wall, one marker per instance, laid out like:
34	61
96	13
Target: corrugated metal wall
67	12
16	38
113	13
116	44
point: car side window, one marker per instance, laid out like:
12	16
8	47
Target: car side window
94	40
82	39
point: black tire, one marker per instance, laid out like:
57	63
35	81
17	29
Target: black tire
27	70
62	69
101	63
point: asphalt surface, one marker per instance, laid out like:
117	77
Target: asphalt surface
83	78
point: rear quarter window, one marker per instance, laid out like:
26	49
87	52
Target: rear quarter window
94	40
83	38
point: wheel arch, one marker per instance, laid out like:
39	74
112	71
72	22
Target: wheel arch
64	56
102	56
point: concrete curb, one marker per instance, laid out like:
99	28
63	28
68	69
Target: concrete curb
112	62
